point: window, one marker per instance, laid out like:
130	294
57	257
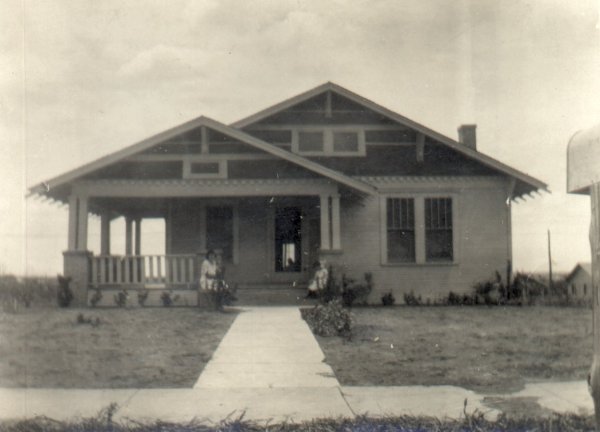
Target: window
219	230
204	168
345	142
310	141
401	230
438	229
329	142
418	230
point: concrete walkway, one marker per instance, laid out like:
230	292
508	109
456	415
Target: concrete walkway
269	368
268	347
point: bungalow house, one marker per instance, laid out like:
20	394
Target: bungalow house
326	175
579	281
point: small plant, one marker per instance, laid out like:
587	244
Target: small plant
64	294
96	297
121	297
353	292
388	299
168	299
410	299
142	296
330	319
82	319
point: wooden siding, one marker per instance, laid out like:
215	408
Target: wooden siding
482	247
314	111
271	169
402	160
139	170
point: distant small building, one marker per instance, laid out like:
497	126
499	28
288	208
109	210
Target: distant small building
579	281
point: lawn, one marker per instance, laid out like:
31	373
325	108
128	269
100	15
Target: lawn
154	347
487	349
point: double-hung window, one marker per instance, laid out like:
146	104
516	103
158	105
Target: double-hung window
401	229
418	230
438	229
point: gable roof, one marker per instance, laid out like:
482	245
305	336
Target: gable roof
528	183
242	136
585	267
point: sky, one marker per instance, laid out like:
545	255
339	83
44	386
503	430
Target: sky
79	80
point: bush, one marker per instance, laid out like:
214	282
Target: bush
330	319
356	292
64	294
388	299
121	297
411	300
96	297
82	319
168	299
142	296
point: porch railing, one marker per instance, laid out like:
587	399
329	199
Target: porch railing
110	270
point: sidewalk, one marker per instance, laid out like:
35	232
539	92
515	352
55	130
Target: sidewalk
270	368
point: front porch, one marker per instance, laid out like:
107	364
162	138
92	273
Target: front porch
268	233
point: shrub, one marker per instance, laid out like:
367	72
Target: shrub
388	299
64	294
95	298
168	299
82	319
454	299
411	300
142	296
330	319
121	297
356	292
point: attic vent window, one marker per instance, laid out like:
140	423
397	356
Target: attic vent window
205	169
310	142
329	142
345	142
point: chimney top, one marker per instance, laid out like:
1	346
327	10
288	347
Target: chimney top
467	135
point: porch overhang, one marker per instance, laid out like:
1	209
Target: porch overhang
203	188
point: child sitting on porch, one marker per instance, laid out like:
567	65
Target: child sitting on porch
319	281
212	283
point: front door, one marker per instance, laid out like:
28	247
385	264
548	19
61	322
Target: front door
288	240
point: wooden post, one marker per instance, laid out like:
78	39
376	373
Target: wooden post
128	235
594	378
138	236
325	232
105	234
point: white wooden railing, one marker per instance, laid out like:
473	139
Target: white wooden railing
142	270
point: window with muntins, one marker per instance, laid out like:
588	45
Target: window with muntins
400	230
438	229
310	142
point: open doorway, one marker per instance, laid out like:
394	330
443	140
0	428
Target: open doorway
288	239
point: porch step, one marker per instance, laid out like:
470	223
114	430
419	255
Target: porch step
269	296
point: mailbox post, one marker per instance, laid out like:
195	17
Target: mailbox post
583	177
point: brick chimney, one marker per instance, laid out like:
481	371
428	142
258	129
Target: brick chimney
467	136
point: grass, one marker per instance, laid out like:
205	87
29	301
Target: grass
486	349
471	423
145	348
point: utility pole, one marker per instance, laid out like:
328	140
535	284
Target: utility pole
549	264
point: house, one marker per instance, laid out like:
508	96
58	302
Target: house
579	281
326	175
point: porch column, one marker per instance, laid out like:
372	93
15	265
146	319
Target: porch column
128	235
73	204
138	236
325	243
336	243
82	223
105	234
202	228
